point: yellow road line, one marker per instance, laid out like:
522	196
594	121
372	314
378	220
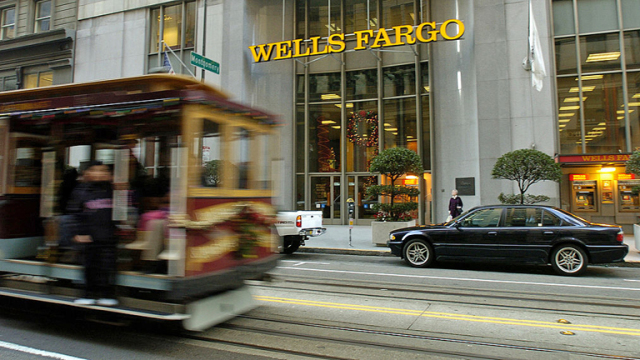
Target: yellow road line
451	316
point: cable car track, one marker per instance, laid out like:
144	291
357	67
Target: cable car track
501	298
267	327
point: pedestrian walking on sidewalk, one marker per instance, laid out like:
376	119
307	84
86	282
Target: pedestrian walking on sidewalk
455	205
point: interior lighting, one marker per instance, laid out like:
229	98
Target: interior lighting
566	114
387	124
349	105
608	56
620	118
329	96
599	128
333	28
391	129
591	77
561	126
634	104
564	120
575	99
607	169
622	111
636	96
395	133
373	22
326	122
584	89
412	177
602	124
336	127
427	88
563	108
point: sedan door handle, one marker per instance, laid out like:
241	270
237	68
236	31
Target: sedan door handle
548	233
492	233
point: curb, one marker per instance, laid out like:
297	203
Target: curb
363	252
360	252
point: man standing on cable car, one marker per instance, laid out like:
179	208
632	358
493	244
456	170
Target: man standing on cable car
91	206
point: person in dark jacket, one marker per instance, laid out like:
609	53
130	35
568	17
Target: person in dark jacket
455	204
91	206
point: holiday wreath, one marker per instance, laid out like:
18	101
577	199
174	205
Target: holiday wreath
354	122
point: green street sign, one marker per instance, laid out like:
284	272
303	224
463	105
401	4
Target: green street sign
202	62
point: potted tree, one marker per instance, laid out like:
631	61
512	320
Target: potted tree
397	201
633	167
526	167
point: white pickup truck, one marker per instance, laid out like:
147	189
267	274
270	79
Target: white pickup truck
297	226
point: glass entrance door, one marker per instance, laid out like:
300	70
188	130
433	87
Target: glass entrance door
357	190
325	197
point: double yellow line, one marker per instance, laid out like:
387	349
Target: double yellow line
450	316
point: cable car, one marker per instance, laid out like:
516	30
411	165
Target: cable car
166	137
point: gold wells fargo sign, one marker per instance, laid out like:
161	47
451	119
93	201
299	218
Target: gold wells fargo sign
365	39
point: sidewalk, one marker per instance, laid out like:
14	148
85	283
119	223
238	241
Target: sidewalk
336	241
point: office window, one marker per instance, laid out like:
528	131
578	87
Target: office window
8	23
174	25
43	16
40	79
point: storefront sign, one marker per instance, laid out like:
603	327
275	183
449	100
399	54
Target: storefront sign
364	39
578	177
626	176
592	158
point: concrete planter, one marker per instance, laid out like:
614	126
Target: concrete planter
636	235
380	230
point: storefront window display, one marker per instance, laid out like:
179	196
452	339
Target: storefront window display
352	108
362	135
324	137
399	123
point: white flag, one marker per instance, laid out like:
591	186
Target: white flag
536	59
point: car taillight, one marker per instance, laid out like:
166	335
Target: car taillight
299	221
620	236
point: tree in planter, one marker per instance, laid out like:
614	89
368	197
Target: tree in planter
526	167
394	163
633	167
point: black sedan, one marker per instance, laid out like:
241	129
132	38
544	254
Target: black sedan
520	234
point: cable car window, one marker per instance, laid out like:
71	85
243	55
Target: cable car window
242	139
27	163
210	154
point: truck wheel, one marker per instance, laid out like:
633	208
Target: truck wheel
291	244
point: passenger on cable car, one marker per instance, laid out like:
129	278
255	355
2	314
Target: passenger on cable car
91	206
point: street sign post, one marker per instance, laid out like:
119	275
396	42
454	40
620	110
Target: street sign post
202	62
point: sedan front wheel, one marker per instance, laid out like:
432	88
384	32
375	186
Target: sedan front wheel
418	253
569	260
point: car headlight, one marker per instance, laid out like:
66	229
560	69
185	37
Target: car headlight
392	237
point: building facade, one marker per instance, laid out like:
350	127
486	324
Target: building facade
36	43
350	78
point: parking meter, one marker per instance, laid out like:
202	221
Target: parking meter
351	205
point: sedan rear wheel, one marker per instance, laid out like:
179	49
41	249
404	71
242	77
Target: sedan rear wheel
569	260
418	253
